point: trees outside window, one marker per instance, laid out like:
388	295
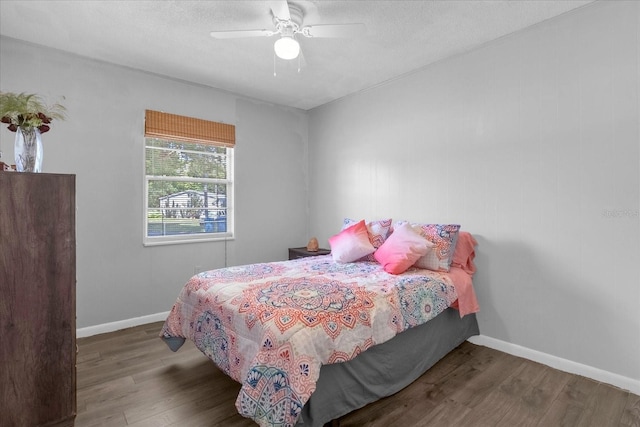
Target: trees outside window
188	191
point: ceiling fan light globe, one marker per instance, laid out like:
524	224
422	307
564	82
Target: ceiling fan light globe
287	47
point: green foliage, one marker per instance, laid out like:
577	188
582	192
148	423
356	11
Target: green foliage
166	158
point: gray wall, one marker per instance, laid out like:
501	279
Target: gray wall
101	142
532	144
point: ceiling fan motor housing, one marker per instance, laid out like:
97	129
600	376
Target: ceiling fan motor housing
291	26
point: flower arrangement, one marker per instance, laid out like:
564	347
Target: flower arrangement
28	111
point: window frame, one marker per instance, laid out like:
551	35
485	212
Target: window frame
228	234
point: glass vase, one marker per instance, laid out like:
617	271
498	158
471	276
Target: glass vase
28	150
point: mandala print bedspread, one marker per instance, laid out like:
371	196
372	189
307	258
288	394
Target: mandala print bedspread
271	326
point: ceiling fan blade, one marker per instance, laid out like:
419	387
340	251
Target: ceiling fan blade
334	30
280	9
234	34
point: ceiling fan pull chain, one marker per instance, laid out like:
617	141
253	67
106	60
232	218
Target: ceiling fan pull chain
274	64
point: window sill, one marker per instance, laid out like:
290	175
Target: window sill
181	240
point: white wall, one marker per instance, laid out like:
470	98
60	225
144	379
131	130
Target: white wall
532	144
101	142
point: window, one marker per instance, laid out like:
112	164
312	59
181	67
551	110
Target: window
188	179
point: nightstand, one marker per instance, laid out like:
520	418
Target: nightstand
295	253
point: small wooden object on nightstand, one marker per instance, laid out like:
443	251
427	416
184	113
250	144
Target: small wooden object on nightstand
295	253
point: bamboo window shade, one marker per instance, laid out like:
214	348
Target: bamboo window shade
174	127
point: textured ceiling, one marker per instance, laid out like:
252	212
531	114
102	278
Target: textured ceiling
171	38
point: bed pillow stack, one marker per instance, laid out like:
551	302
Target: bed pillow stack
397	248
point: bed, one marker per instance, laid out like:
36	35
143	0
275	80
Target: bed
312	339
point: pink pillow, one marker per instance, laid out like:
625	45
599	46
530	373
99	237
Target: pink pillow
378	232
402	249
351	244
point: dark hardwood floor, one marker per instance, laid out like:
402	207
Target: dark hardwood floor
131	378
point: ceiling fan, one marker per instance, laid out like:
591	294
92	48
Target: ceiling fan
287	19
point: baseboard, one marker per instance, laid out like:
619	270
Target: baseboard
121	324
559	363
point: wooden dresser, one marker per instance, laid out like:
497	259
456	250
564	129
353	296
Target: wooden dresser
37	299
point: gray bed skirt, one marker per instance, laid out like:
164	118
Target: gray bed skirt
386	368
